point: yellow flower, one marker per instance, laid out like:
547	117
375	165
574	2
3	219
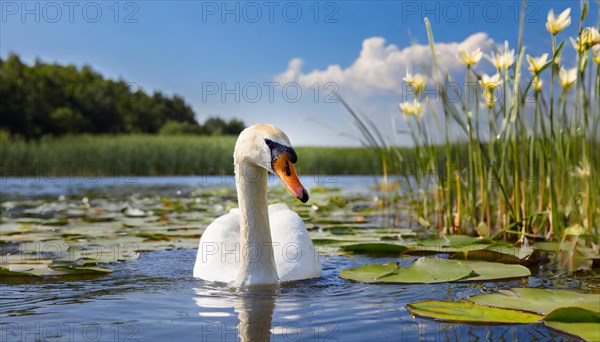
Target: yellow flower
490	83
577	44
555	25
537	84
567	78
589	37
504	60
412	108
596	54
536	64
416	81
470	59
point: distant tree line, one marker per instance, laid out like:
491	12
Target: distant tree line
52	99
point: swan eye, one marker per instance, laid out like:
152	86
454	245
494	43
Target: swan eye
278	149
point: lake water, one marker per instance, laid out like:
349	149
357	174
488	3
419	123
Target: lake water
155	298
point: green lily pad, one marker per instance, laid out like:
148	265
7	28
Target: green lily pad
61	221
541	301
494	271
369	273
552	246
374	248
448	244
575	321
498	253
30	269
81	269
423	270
99	254
470	313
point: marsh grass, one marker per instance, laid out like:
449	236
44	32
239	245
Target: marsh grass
152	155
536	173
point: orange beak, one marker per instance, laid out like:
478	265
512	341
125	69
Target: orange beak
287	172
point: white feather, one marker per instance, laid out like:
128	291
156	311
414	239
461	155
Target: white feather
220	252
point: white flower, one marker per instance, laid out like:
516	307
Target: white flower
555	25
589	37
536	64
490	83
414	108
503	61
567	78
416	81
470	59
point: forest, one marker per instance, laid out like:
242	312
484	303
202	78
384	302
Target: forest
53	100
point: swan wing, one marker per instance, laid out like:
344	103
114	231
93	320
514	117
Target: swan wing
218	255
295	256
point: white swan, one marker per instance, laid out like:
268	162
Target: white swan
259	244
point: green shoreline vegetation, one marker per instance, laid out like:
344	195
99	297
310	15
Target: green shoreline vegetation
156	155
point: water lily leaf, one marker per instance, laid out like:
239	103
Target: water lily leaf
470	313
60	221
575	321
539	300
80	269
23	259
573	315
327	238
374	248
498	253
99	254
369	273
494	271
133	222
101	218
449	244
423	270
31	269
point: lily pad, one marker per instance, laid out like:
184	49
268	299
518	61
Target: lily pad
423	270
495	271
498	253
540	301
575	321
99	254
369	273
31	269
81	269
448	244
471	313
374	248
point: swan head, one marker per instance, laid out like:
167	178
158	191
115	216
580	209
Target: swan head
266	146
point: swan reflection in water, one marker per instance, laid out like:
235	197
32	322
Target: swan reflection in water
219	307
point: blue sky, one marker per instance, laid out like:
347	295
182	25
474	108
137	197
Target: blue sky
211	52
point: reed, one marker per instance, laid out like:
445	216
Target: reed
533	171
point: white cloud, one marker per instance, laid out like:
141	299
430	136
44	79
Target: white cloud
380	67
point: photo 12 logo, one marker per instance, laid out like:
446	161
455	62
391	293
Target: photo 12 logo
490	12
253	12
68	331
69	12
253	92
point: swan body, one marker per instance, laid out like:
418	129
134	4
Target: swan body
259	244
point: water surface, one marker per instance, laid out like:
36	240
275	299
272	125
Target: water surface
155	298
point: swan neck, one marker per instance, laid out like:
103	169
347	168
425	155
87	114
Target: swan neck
257	264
